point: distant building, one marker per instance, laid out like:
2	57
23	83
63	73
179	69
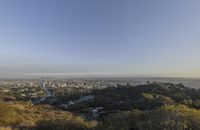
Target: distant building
85	98
51	93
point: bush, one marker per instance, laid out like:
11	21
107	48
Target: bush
169	117
67	122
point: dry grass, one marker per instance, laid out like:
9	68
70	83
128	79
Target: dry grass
7	128
25	115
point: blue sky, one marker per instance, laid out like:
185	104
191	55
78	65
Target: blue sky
99	38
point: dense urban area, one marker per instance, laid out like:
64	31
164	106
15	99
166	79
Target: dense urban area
97	105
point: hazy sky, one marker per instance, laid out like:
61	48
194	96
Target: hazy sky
99	38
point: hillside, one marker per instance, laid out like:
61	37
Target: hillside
20	115
154	106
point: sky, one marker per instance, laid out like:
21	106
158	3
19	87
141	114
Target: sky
99	38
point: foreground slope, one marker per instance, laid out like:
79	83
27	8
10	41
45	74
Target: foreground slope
154	106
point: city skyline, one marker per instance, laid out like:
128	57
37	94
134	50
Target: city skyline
107	38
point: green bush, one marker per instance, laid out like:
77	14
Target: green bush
170	117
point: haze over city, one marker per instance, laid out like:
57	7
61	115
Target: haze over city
102	38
